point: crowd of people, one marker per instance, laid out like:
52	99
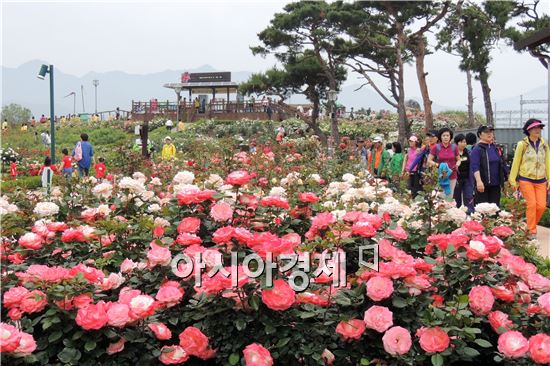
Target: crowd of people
470	168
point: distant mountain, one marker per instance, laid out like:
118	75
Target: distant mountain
118	89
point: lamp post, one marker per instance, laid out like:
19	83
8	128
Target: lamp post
178	98
45	69
96	83
332	97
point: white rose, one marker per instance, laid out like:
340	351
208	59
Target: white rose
43	209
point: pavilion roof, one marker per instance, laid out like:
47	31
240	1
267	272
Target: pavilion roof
204	87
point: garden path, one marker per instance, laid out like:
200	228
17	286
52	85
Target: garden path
543	238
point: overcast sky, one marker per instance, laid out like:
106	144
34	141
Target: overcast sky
146	37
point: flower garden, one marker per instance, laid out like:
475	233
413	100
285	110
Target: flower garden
281	257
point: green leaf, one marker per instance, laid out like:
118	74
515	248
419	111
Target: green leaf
270	329
342	300
472	330
283	342
437	360
55	336
483	343
240	324
90	345
468	351
69	355
398	302
365	362
254	302
234	359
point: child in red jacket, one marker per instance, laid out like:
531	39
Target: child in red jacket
100	169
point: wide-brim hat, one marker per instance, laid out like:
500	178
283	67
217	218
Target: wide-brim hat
532	123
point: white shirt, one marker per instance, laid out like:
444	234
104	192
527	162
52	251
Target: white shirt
45	177
169	123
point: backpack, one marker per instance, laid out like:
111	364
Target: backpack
438	149
78	152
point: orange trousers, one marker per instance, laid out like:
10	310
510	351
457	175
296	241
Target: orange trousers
535	197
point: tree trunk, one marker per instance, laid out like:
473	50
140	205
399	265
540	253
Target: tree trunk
420	53
471	118
404	128
144	138
314	122
484	81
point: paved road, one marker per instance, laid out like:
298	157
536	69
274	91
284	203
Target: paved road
543	237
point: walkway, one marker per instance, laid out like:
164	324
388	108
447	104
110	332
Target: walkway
543	238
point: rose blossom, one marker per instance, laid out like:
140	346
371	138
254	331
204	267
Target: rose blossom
539	348
173	355
9	337
118	315
379	318
257	355
189	225
280	297
158	255
544	302
195	343
160	331
498	319
31	241
142	306
481	300
169	294
33	302
397	341
14	295
513	344
379	288
433	339
93	316
27	345
221	211
238	178
43	209
116	347
351	329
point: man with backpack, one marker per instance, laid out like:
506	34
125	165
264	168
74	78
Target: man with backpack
83	154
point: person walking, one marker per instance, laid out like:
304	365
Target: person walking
83	154
445	152
531	171
420	162
413	181
378	158
486	168
396	164
464	190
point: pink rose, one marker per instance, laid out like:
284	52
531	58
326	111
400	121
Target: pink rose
93	316
169	294
116	347
14	295
398	233
481	300
257	355
223	235
498	319
502	231
364	229
15	314
323	220
9	337
127	266
544	302
34	302
142	306
433	339
221	211
27	345
173	355
379	288
81	301
161	331
538	282
118	315
379	318
308	197
274	201
351	329
397	341
513	344
158	255
31	241
280	297
189	225
539	348
188	239
195	343
238	178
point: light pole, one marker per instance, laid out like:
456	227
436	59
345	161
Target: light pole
45	69
96	83
332	97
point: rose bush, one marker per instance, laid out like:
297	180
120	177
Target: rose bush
102	279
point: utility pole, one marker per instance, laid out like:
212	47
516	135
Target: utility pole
82	92
96	83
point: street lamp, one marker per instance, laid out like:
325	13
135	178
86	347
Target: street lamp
332	97
45	69
96	83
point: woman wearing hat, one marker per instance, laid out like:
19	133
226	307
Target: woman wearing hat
531	168
168	150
